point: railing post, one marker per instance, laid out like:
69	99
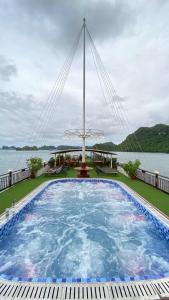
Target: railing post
143	175
10	177
156	178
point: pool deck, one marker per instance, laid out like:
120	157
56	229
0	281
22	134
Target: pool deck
151	289
156	197
142	289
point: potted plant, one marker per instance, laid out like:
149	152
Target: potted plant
51	162
131	168
34	165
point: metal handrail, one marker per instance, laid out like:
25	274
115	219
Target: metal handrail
12	177
159	181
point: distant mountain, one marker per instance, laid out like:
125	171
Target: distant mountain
144	139
45	147
67	147
8	148
35	148
109	146
29	148
147	139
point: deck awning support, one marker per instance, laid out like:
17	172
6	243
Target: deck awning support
55	160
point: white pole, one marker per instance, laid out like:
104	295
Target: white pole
84	87
111	162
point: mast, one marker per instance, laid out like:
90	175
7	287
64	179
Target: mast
84	132
84	89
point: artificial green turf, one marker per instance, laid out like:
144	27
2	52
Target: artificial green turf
17	192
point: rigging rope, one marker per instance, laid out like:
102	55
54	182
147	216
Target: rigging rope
60	82
103	84
109	94
112	94
54	94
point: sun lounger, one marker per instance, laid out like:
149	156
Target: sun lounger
106	170
57	171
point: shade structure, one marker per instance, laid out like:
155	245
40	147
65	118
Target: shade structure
62	151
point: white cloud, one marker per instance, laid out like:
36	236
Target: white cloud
132	39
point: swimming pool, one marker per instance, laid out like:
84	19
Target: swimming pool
84	230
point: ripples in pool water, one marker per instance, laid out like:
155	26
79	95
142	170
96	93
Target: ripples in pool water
83	229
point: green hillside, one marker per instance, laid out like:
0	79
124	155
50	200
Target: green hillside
109	146
148	139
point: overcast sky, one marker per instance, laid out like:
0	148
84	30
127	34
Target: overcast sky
132	38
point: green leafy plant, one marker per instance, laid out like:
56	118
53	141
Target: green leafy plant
34	165
131	168
51	162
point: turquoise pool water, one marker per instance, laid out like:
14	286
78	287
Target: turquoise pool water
83	229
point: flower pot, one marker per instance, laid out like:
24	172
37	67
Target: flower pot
33	175
133	177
